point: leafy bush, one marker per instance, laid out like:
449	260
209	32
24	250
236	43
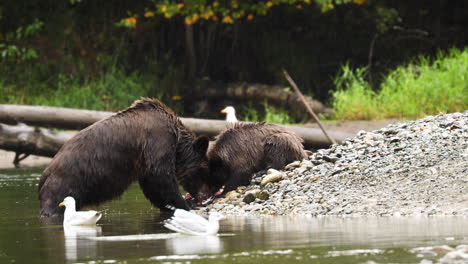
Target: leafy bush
423	87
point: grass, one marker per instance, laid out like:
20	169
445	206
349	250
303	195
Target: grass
268	114
112	90
423	87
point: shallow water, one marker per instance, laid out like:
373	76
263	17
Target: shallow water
131	231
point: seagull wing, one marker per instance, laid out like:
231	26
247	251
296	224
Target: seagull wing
84	218
187	223
183	227
191	224
183	214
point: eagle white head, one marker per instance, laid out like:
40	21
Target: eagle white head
230	114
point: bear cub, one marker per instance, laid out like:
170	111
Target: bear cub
145	142
243	149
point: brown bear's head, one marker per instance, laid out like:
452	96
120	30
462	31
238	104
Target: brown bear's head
193	170
209	183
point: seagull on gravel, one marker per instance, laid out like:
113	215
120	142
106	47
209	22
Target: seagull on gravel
230	114
189	223
72	217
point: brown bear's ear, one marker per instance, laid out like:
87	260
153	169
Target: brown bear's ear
201	144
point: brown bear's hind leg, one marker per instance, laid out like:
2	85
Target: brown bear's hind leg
281	149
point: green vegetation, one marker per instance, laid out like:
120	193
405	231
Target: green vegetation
268	114
423	87
103	56
113	90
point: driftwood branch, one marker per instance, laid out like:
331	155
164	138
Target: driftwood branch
275	94
26	140
307	106
78	119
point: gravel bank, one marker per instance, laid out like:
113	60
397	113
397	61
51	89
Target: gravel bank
414	168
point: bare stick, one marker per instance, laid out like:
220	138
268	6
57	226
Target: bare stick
19	158
312	113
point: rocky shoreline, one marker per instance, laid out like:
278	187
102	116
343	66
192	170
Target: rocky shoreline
413	168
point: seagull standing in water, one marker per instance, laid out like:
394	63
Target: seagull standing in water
230	114
188	223
72	217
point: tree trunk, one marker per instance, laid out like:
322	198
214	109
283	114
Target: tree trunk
78	119
190	51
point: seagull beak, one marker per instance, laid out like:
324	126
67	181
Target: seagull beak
61	204
223	111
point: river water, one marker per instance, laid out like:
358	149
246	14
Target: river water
131	231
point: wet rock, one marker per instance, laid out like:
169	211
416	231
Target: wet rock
293	165
241	189
232	195
218	206
330	158
249	198
263	195
272	176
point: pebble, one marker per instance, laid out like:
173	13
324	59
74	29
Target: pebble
232	195
249	198
292	165
414	168
272	176
263	195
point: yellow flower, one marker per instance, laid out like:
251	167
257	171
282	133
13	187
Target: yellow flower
176	97
299	7
130	21
192	20
163	8
149	14
215	3
234	4
207	15
269	4
227	20
250	17
359	2
180	6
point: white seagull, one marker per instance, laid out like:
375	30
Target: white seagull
188	223
230	114
72	217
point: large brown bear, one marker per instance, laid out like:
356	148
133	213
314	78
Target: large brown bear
243	149
145	142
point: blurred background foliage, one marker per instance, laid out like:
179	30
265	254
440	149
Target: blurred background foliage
102	55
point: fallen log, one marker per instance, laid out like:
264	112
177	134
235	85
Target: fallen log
25	140
67	118
275	94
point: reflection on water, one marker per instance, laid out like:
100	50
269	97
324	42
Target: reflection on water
131	231
76	244
194	245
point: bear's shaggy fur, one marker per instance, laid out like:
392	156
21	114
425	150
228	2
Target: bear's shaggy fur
145	142
246	148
